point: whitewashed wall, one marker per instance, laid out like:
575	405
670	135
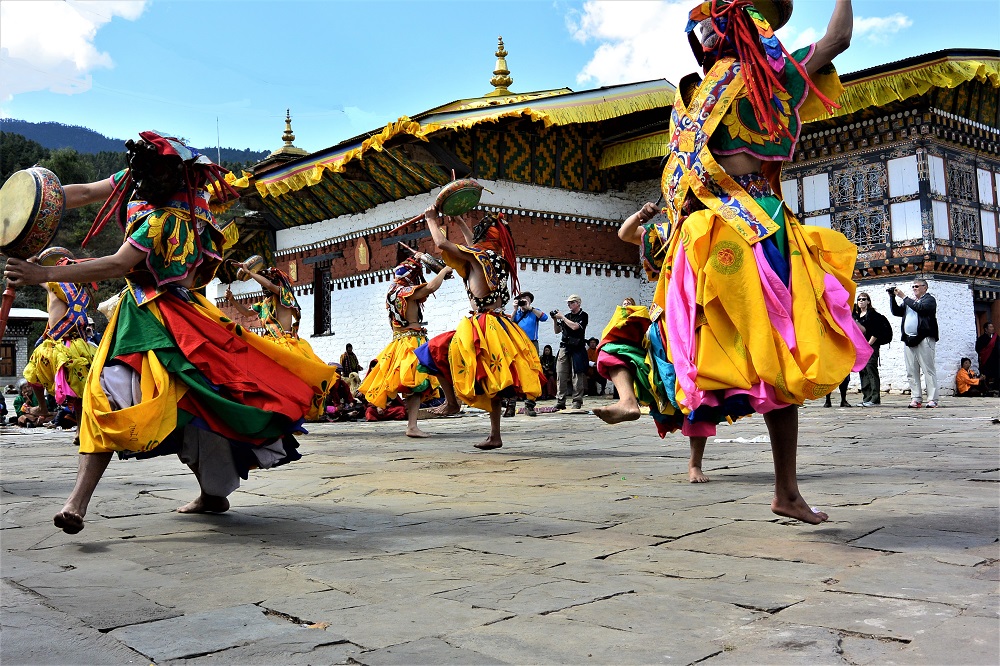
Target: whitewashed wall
359	317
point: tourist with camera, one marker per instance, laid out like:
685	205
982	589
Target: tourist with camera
572	361
527	316
920	336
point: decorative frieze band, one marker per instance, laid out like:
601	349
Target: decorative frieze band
541	215
535	264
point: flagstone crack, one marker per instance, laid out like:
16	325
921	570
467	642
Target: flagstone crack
587	603
891	598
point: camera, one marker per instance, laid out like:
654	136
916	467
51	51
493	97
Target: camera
891	290
523	302
553	313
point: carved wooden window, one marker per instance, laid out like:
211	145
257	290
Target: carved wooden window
962	183
321	302
864	226
859	184
965	225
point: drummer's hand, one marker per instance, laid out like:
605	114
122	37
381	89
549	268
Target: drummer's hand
229	293
418	256
431	214
648	212
447	271
19	273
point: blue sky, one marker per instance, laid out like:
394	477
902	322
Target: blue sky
198	68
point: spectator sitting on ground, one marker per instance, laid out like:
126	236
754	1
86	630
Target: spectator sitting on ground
395	410
26	411
967	381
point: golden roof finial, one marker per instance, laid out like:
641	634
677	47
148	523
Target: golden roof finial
501	75
288	137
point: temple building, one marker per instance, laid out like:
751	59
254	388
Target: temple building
908	168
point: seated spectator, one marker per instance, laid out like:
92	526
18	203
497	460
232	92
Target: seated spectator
26	411
395	410
967	380
341	403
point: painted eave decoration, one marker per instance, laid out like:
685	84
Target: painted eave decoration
390	164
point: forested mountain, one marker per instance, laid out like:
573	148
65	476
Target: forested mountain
56	135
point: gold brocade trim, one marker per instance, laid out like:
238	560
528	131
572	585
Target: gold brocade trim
409	333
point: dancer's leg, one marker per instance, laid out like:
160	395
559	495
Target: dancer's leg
450	405
783	427
695	474
412	410
204	503
493	441
90	469
627	407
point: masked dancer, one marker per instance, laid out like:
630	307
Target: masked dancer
752	310
61	361
173	374
397	372
488	357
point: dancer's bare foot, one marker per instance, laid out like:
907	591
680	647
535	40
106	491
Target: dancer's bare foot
622	410
489	443
798	509
447	409
206	504
695	475
68	521
416	432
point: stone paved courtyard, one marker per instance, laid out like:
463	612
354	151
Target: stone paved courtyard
577	543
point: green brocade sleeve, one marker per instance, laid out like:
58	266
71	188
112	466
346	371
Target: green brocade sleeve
169	243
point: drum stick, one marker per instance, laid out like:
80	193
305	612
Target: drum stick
410	221
8	301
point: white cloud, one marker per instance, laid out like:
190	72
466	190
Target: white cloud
878	29
636	40
794	39
49	45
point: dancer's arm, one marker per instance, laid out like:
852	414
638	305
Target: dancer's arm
20	273
425	290
434	226
264	282
463	226
81	194
837	37
631	229
242	309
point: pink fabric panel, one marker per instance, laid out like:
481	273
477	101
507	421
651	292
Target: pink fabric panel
838	301
777	298
680	312
697	429
607	362
63	389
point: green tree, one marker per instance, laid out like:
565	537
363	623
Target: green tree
18	153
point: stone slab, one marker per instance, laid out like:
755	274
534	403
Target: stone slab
34	633
201	633
898	619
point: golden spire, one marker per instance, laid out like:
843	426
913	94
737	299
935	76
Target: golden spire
501	75
288	137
